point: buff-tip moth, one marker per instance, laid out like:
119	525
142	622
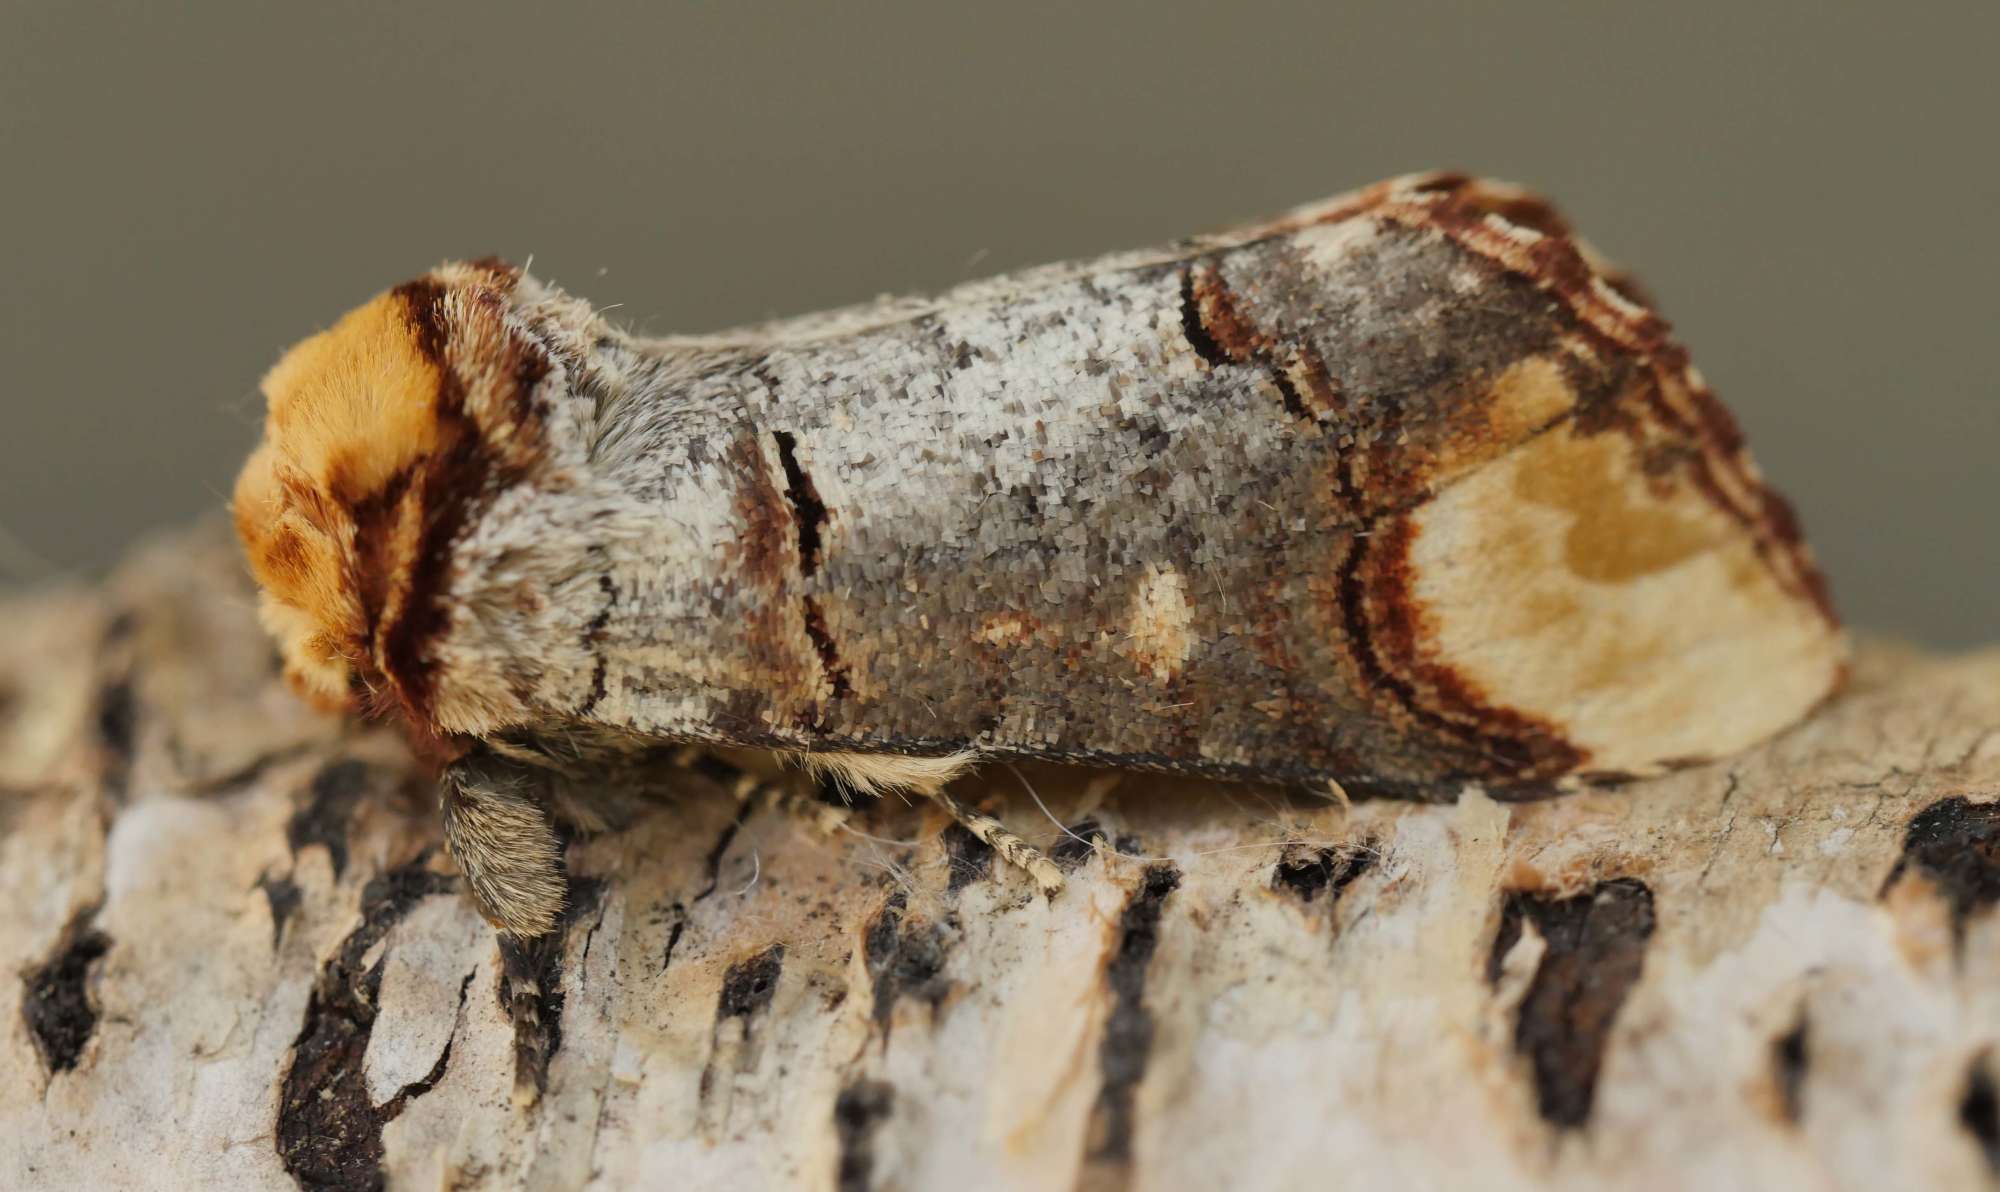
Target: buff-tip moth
1404	490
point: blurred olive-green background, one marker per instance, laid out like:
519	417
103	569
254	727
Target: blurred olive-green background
1810	189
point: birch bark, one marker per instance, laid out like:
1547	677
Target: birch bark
239	961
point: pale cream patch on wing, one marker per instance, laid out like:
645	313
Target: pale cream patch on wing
1637	619
1527	396
1162	624
1331	245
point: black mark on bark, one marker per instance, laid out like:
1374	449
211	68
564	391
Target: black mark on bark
1979	1110
330	802
117	732
1127	1045
1956	845
969	857
55	1002
282	893
1596	949
858	1112
749	985
1075	848
1308	874
834	793
329	1135
1791	1054
905	958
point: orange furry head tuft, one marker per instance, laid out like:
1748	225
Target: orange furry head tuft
379	436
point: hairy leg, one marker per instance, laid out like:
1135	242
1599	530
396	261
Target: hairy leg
876	774
497	827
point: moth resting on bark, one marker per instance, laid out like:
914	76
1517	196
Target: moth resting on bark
1404	490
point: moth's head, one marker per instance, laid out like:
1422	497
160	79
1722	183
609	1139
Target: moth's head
378	434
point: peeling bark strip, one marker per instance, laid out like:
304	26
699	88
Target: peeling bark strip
329	1132
1403	490
55	999
1596	948
1955	844
1127	1045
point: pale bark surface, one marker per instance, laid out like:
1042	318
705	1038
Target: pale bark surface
236	959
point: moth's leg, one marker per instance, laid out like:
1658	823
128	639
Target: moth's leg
497	828
585	790
877	774
523	964
1012	849
743	786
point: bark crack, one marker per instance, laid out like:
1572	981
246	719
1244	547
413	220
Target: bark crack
331	800
725	774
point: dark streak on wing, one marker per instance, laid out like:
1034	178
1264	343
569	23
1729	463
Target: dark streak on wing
809	514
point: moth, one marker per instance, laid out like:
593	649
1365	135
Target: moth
1405	490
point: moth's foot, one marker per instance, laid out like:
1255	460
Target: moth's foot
1012	849
497	828
823	818
778	794
523	964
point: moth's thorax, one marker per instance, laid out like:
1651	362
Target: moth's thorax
382	435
